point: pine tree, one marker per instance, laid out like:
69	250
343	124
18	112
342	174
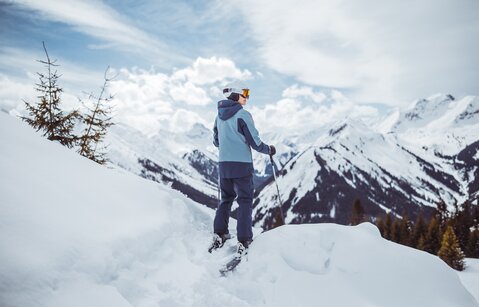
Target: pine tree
475	216
278	219
405	230
431	242
47	115
422	244
418	231
450	250
442	215
381	226
357	216
462	223
396	231
388	227
473	244
97	121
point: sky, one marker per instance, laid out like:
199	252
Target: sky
304	61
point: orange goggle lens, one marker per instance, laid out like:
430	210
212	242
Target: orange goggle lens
246	93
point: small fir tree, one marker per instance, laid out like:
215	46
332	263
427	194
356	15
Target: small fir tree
450	250
405	230
46	115
422	244
396	231
463	222
431	242
388	227
278	219
381	225
475	215
442	215
418	231
473	244
357	216
96	121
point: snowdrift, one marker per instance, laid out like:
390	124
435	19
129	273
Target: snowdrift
73	233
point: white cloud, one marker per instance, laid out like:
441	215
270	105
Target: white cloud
13	92
381	51
190	94
296	91
211	70
302	116
150	100
183	120
146	100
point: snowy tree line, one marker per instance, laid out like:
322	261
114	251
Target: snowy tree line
450	235
83	131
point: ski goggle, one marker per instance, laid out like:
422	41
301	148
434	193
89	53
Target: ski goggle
245	93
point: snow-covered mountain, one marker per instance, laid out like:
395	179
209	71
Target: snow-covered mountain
183	161
74	233
438	150
404	165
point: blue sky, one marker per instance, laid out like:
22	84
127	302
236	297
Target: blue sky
172	57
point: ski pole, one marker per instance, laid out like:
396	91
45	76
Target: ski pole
277	189
219	182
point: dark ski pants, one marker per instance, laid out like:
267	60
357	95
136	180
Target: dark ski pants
243	189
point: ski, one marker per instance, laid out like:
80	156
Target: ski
241	253
230	266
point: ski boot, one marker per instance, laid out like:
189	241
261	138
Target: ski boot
218	241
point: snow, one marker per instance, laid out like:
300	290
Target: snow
470	277
440	123
390	156
128	145
302	179
73	233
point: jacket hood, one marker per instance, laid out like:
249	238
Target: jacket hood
228	108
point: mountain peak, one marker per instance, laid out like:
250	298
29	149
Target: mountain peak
198	130
347	127
424	111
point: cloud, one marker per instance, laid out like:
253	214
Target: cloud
211	70
103	22
296	91
145	99
150	100
13	92
190	94
21	63
302	116
182	120
386	52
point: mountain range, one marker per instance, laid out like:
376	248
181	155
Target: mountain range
403	164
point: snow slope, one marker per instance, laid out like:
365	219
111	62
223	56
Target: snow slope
128	146
73	233
470	276
182	161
